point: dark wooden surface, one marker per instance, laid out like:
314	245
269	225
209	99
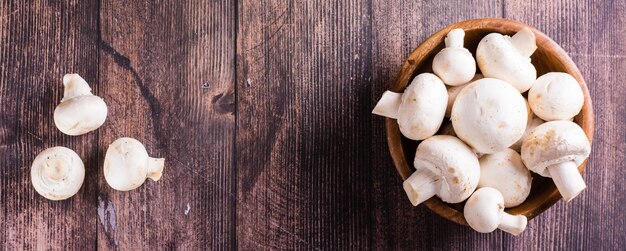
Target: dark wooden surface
262	111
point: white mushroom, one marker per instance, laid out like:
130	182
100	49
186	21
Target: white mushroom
556	96
421	107
505	172
454	64
508	58
484	212
556	149
80	111
454	91
489	115
529	111
127	165
446	167
532	124
57	173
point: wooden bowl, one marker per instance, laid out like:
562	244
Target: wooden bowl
548	57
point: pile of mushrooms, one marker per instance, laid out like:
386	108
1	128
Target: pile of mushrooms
58	172
496	137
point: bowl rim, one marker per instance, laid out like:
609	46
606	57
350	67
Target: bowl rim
423	51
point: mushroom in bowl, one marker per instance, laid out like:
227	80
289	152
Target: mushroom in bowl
548	57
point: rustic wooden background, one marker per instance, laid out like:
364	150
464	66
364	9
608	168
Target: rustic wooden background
262	110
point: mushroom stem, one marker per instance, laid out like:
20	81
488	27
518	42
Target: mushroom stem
155	168
421	186
567	179
513	224
75	86
524	42
454	39
388	105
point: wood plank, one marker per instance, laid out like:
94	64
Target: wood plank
584	30
398	28
311	169
592	33
303	112
40	41
167	71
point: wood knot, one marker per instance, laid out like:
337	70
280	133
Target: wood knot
224	102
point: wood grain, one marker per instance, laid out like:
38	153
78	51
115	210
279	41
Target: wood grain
262	111
399	27
168	72
548	57
562	229
593	35
303	125
40	42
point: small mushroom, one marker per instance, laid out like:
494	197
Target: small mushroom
454	91
505	172
57	173
454	64
80	111
532	124
489	115
556	149
420	109
508	58
556	96
446	167
127	165
484	212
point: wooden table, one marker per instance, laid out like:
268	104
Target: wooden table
262	111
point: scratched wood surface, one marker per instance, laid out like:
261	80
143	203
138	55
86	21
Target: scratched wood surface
39	42
168	69
303	119
262	111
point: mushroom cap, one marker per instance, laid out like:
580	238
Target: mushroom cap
454	162
532	124
518	144
489	115
505	172
552	143
556	96
454	64
57	173
80	115
423	106
454	91
530	111
498	58
483	209
126	164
